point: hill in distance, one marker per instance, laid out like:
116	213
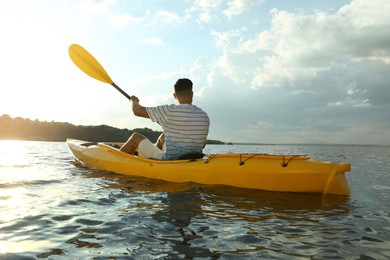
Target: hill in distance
34	130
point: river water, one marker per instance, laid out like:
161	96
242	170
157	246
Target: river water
50	207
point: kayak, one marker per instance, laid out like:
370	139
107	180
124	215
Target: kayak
285	173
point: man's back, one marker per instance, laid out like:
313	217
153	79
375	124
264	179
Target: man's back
185	127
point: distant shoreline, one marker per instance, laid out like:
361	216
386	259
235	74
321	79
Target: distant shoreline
24	129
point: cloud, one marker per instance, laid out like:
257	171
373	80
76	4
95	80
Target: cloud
209	9
313	77
237	7
298	46
204	17
189	70
206	5
223	64
168	16
205	9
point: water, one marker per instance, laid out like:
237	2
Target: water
53	208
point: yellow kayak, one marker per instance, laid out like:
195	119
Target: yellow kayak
288	173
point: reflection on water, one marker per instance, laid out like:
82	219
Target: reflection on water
211	221
52	208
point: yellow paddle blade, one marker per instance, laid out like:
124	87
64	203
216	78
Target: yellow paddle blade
87	63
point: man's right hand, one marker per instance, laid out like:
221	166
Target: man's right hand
134	99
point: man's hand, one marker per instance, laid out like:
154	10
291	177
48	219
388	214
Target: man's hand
134	99
138	110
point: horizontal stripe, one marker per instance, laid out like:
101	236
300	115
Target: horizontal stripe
185	126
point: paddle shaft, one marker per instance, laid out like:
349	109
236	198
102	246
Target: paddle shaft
120	90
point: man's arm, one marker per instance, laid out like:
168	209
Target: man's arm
138	110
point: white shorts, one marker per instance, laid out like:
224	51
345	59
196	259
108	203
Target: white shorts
147	149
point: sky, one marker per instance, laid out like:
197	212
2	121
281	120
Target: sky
266	71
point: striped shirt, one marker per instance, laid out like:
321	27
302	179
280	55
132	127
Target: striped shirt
185	128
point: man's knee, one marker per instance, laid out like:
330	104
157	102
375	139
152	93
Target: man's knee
136	138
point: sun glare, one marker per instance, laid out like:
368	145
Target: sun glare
13	154
13	198
12	160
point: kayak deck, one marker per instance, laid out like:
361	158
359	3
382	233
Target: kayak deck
290	173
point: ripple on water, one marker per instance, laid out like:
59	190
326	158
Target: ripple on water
60	210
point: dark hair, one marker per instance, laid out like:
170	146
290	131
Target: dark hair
182	85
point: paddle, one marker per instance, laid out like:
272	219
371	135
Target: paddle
87	63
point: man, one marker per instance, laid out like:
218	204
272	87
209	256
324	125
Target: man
185	127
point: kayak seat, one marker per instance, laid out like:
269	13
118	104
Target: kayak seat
191	156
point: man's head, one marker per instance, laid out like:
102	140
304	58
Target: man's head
183	85
183	91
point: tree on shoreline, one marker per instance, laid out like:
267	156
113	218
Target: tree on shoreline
26	129
19	128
